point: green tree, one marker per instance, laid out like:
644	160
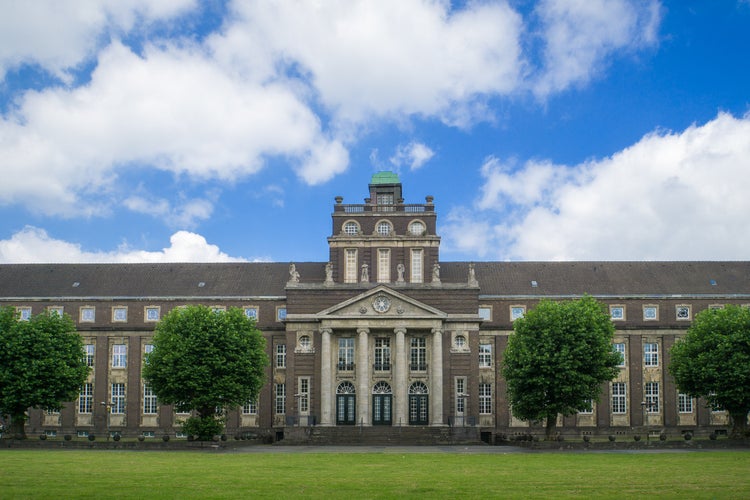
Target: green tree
557	358
713	361
41	364
207	361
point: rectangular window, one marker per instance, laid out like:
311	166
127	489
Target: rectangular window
252	313
119	314
281	356
485	313
485	399
148	348
250	408
119	356
218	309
281	314
682	312
516	312
152	313
619	398
304	395
86	398
89	350
382	354
280	402
652	397
650	313
24	313
620	349
149	400
350	265
418	354
417	265
346	354
87	314
589	409
118	398
384	265
56	310
460	395
485	355
617	313
651	354
684	403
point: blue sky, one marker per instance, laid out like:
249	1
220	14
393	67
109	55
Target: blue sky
178	130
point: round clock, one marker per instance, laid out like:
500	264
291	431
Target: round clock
381	303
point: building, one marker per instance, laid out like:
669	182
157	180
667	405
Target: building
382	335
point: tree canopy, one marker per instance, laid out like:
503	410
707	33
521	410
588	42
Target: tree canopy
557	358
41	364
207	361
712	361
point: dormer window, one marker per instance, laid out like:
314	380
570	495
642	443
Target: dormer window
384	228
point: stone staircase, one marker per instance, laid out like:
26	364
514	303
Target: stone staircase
379	436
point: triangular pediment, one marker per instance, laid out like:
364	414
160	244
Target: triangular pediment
381	302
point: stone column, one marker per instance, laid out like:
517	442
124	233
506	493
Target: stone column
363	377
399	380
325	377
436	378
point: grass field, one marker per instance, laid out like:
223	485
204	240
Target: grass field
156	474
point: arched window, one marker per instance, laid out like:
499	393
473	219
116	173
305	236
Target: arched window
418	404
384	228
382	388
416	228
351	228
381	404
345	404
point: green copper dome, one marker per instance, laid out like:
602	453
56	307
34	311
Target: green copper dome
385	177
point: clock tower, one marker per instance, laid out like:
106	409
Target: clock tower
384	240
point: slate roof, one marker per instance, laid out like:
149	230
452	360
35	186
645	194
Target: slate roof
269	279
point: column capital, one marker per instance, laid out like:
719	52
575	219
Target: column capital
437	331
326	330
400	329
362	330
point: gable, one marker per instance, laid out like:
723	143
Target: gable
381	302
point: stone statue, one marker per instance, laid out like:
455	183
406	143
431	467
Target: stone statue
293	274
365	278
436	273
329	272
400	270
472	277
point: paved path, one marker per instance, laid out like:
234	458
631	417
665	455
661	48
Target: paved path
458	449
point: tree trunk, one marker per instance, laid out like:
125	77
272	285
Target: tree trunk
16	429
549	432
739	425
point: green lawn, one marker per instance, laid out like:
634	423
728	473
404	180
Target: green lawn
159	474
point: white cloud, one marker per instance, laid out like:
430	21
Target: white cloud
185	215
581	35
32	245
173	109
366	60
59	35
414	155
671	196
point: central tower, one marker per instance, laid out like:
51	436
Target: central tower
384	240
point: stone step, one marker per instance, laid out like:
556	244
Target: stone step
380	435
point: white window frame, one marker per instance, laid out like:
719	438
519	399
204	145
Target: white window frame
685	403
87	314
89	354
280	355
251	312
119	314
485	312
118	398
485	399
350	228
650	354
86	398
384	265
280	399
384	228
250	408
418	354
687	315
350	265
647	312
150	404
151	313
485	355
416	274
617	312
417	223
346	354
517	312
459	384
620	347
619	397
119	356
24	313
281	313
59	310
651	396
382	355
303	395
